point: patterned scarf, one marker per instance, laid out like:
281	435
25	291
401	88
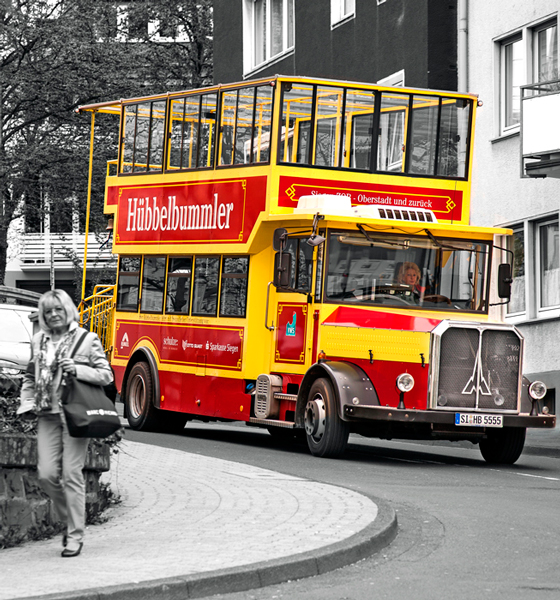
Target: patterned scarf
44	378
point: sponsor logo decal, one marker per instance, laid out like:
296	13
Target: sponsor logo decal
124	341
291	327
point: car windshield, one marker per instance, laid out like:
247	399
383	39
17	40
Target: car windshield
406	271
12	327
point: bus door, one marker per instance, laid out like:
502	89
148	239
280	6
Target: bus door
293	311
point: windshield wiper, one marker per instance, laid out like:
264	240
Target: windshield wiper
444	245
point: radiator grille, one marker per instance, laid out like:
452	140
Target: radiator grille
478	369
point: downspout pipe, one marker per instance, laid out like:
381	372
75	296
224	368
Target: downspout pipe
462	43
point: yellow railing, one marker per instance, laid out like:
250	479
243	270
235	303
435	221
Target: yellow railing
96	314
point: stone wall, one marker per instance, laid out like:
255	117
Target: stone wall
25	510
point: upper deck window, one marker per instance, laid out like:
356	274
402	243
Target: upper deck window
143	137
328	126
193	132
245	125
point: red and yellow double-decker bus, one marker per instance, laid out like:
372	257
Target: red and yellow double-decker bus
296	253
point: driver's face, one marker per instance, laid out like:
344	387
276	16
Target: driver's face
410	277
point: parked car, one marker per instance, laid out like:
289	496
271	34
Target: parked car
16	331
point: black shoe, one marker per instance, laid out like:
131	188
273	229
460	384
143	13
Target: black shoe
69	553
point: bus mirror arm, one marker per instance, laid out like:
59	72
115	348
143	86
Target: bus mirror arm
269	327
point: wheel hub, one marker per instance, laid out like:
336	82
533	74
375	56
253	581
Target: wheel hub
315	418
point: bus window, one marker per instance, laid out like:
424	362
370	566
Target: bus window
208	107
423	135
233	295
179	285
143	139
394	108
302	268
205	293
153	282
328	126
244	125
359	109
453	137
297	108
128	284
227	126
129	120
263	124
184	132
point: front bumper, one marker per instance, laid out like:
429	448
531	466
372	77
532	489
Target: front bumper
354	413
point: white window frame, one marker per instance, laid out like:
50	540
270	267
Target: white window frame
505	127
543	311
342	11
535	37
394	80
249	51
533	275
520	314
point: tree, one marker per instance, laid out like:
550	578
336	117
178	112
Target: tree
56	55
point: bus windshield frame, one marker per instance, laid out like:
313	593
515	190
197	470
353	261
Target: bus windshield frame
409	272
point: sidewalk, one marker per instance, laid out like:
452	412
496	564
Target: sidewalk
191	526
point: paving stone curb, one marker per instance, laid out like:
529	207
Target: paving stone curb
372	538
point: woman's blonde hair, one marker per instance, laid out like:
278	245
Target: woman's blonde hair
57	297
405	267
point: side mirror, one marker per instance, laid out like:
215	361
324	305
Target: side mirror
504	280
282	270
279	239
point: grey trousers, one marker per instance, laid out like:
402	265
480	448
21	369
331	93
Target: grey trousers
60	464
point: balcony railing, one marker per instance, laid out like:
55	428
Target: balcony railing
38	249
540	129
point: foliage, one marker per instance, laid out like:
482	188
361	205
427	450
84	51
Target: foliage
10	422
56	55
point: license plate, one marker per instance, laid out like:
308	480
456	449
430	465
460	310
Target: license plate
478	420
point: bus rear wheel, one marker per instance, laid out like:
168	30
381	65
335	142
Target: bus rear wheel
327	434
141	413
503	446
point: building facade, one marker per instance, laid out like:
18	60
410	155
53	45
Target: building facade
398	41
512	52
492	49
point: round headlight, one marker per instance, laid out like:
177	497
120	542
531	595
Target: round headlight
537	390
405	382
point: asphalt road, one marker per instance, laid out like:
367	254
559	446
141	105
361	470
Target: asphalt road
466	529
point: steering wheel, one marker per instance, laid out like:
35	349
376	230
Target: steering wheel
437	298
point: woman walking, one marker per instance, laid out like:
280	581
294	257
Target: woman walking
61	457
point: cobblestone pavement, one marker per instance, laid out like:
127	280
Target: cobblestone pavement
188	524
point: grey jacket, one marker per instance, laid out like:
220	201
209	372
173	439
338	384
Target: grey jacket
91	366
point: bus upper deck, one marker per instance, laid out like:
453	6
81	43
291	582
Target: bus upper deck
395	147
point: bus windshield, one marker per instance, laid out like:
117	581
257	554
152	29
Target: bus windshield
407	271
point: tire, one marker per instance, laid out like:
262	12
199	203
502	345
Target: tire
503	446
326	433
141	413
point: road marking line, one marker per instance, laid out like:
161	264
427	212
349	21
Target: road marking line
538	476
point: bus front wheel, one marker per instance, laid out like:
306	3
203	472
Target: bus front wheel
327	434
503	446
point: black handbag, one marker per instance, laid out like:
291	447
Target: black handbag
88	411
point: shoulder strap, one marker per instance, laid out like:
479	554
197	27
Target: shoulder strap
78	343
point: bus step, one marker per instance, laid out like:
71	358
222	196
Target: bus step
281	396
274	422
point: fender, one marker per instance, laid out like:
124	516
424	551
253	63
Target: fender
348	380
146	355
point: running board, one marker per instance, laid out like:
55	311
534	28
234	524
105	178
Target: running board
272	422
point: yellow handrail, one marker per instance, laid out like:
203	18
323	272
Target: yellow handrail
96	314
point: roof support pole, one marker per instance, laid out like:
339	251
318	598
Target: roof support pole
90	177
